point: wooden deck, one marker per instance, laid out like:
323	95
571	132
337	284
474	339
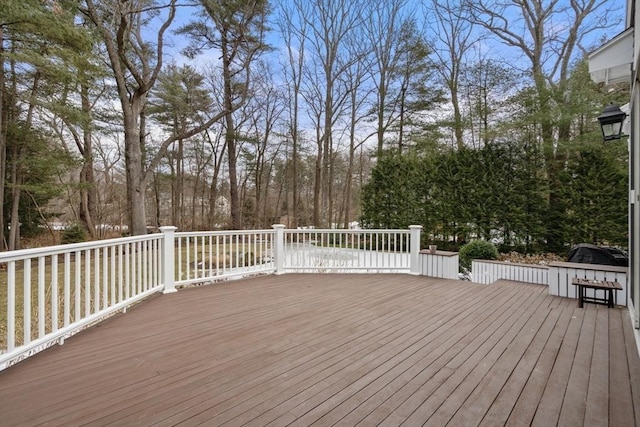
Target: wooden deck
338	350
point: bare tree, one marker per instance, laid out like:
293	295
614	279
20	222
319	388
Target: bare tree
217	147
454	39
383	30
294	33
266	114
329	23
3	137
131	59
136	64
110	201
484	85
358	96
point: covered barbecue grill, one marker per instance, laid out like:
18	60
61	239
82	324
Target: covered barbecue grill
592	254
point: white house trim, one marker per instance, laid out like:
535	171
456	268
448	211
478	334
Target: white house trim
611	62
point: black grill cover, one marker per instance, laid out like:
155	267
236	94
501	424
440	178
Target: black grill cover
592	254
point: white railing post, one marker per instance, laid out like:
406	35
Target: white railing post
168	259
278	248
415	249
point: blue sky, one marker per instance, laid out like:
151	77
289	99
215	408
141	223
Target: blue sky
490	47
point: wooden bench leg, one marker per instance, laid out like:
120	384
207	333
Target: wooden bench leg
580	296
610	299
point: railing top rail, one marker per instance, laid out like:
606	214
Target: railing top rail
515	264
221	232
345	230
439	253
73	247
583	266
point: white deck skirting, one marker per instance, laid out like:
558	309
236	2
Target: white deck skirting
441	264
557	275
561	274
486	271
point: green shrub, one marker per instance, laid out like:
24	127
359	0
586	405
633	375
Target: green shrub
74	234
477	249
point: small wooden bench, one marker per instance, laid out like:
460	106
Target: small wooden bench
606	286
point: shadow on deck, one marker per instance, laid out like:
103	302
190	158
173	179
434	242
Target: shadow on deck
338	349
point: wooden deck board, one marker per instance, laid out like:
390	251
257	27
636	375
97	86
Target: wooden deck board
527	403
328	412
633	361
354	360
598	387
432	347
405	397
338	350
332	360
439	407
504	403
620	390
505	379
192	392
550	404
575	395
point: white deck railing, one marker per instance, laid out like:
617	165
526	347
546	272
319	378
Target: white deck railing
346	251
209	256
49	294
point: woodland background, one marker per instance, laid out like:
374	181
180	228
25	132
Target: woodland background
471	118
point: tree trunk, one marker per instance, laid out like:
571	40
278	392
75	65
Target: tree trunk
327	161
3	141
156	193
230	139
233	175
16	171
213	196
213	189
87	194
180	186
174	190
196	222
382	100
403	97
265	208
258	185
293	218
349	185
457	117
317	186
14	227
136	212
194	194
87	179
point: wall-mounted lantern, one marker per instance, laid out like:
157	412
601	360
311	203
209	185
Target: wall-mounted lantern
611	121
